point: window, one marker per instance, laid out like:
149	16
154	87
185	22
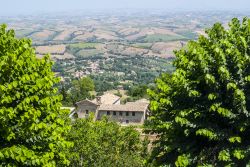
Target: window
133	113
120	113
87	111
127	113
108	112
114	112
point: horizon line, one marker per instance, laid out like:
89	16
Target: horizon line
120	10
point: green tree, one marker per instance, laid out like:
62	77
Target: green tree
80	89
67	98
139	91
104	143
63	92
202	111
32	127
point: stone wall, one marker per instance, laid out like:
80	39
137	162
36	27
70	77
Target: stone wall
138	118
81	111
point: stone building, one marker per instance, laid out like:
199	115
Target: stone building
109	105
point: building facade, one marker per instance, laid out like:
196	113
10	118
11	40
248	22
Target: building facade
109	105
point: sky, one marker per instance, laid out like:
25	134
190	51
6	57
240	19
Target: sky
36	6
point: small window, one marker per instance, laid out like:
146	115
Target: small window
120	113
114	112
87	111
133	113
108	112
127	121
127	113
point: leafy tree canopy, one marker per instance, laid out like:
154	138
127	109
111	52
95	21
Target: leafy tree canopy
139	91
105	143
79	90
83	85
31	123
202	111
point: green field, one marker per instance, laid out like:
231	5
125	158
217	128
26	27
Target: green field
82	45
88	53
163	38
143	45
188	34
80	49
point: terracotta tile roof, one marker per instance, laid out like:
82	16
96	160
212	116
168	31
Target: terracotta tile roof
108	98
131	107
86	102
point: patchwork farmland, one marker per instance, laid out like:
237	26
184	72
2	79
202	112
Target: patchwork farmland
133	48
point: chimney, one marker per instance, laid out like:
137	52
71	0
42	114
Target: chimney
99	99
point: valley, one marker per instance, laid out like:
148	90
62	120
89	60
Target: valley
117	49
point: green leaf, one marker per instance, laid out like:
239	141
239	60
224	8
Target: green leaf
182	161
235	139
212	96
1	155
224	156
207	133
239	154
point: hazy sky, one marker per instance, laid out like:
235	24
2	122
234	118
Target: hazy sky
33	6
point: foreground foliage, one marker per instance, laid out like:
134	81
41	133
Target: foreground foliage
202	111
104	143
31	125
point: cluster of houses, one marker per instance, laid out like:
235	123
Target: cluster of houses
131	113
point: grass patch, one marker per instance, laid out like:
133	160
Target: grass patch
83	45
143	45
189	34
78	47
163	38
84	53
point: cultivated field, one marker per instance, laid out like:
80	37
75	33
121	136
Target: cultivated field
52	49
42	35
64	35
135	35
